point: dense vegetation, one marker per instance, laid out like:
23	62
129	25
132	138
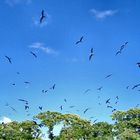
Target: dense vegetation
125	127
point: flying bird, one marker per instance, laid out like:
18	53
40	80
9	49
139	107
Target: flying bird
9	59
108	76
138	64
79	41
42	16
61	107
26	82
108	101
53	87
65	100
86	91
100	88
22	100
34	54
135	86
90	56
86	110
40	107
109	106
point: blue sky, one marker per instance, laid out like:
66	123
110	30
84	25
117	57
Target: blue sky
105	25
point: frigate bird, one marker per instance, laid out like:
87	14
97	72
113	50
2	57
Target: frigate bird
79	41
34	54
9	59
42	16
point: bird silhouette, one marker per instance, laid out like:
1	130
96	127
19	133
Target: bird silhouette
65	100
40	107
108	76
42	16
135	86
61	107
108	101
138	64
34	54
79	41
53	87
90	56
100	88
9	59
109	106
86	110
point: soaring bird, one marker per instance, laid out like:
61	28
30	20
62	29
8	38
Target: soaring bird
13	108
34	54
108	101
22	100
65	100
118	52
100	88
26	82
61	107
79	41
9	59
135	86
53	87
117	97
108	76
90	56
91	51
138	64
40	107
109	106
72	106
26	107
86	110
86	91
42	16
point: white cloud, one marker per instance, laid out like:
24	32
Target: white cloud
5	120
15	2
42	47
103	14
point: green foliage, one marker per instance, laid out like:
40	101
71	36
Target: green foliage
126	127
26	130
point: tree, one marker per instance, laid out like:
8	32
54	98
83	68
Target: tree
26	130
127	125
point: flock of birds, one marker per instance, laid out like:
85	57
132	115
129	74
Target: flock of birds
91	55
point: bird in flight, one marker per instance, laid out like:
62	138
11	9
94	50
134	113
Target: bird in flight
53	87
86	110
22	100
42	16
61	107
65	100
121	48
108	76
26	82
109	106
40	107
86	91
79	41
138	64
135	86
9	59
100	88
108	101
91	54
34	54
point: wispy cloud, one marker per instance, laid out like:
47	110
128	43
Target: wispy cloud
103	14
5	120
41	46
15	2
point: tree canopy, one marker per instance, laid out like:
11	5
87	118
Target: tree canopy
125	127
